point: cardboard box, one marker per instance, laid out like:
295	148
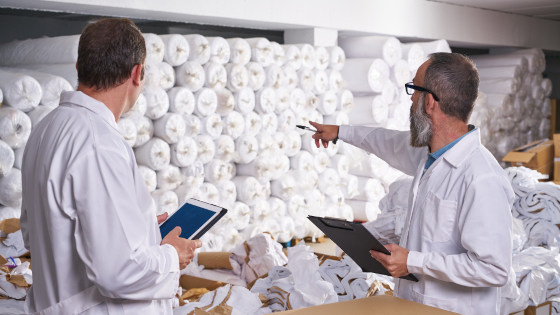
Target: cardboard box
190	282
543	309
537	155
375	305
556	176
556	140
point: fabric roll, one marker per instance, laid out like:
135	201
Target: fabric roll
234	124
337	57
302	161
389	93
341	164
260	212
11	189
440	45
225	148
1	96
152	75
144	129
286	120
308	56
386	47
206	148
261	167
190	75
278	207
414	55
167	76
157	103
321	161
20	91
127	128
212	125
228	193
400	73
139	108
15	127
349	187
266	141
206	102
149	176
218	171
364	210
240	51
155	154
365	75
346	100
328	181
283	98
278	54
298	100
291	79
183	152
193	125
265	100
328	103
274	76
169	177
369	110
485	61
322	58
176	49
194	173
226	101
244	100
306	79
216	75
51	85
337	118
66	70
199	48
321	82
45	50
513	71
336	82
181	100
269	123
237	77
7	158
249	190
37	114
370	189
155	48
261	50
370	166
170	127
246	148
219	50
242	214
165	201
253	123
18	154
257	75
293	143
546	86
293	57
504	85
535	58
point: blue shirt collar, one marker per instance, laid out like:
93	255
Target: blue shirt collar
432	157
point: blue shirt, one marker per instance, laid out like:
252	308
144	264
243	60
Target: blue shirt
432	157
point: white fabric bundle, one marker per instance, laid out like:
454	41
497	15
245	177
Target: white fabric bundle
286	120
293	56
155	154
370	189
51	85
171	128
212	125
7	158
261	50
349	188
321	82
253	123
139	108
226	101
337	118
322	58
541	233
328	103
246	148
278	54
165	201
284	187
127	128
216	75
259	213
369	110
386	47
414	55
244	100
153	75
242	214
240	51
257	76
535	58
149	176
194	173
15	127
37	114
440	45
364	210
283	98
541	201
266	141
336	82
308	56
302	161
10	188
249	190
298	100
365	75
546	86
169	177
293	143
234	124
155	48
341	164
485	61
66	70
157	103
176	49
45	50
144	129
513	71
167	75
269	123
190	75
20	91
181	100
505	85
346	101
217	171
183	152
206	148
306	79
219	50
228	193
237	77
265	100
193	125
206	102
291	78
401	73
274	76
321	161
225	148
199	48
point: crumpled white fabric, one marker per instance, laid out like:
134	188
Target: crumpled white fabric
239	298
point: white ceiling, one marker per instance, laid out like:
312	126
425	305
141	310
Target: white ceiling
544	9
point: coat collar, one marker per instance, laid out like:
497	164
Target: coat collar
461	151
79	98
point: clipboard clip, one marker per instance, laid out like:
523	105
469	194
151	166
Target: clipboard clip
337	224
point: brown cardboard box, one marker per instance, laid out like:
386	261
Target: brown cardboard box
543	309
556	140
190	282
556	176
375	305
537	155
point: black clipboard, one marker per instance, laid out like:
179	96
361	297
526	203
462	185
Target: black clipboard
356	241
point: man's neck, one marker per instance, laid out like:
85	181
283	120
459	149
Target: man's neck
446	133
114	98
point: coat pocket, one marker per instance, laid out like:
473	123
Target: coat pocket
445	304
439	218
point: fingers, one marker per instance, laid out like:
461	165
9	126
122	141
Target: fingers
175	232
162	217
198	243
325	143
317	143
316	125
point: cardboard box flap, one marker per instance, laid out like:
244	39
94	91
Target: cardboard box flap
522	157
190	282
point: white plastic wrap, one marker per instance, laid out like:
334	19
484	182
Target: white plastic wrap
7	158
20	91
190	75
206	102
127	129
155	154
219	50
216	75
15	127
365	75
206	148
44	50
157	103
240	50
11	189
155	48
199	48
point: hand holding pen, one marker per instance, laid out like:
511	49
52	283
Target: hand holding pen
323	133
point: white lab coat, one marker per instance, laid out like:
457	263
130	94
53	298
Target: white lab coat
88	219
458	227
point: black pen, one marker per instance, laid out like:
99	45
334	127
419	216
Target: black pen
310	129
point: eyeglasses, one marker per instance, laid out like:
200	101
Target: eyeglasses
409	87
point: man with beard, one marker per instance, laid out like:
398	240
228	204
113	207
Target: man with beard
457	237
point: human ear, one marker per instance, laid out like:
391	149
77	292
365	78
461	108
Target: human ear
137	74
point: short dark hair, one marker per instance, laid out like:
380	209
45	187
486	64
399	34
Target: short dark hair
454	79
107	52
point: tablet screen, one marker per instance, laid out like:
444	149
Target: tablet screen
192	217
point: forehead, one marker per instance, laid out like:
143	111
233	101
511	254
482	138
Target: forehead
421	72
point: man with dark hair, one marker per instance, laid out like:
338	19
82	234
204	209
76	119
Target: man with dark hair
87	217
457	237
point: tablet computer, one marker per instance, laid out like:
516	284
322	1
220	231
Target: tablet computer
356	241
195	218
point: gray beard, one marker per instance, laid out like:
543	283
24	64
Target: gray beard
420	125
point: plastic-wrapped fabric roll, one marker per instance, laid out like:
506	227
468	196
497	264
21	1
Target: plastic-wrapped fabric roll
365	75
328	181
257	75
171	127
206	102
293	57
260	168
7	158
51	85
153	75
206	148
504	85
341	164
291	79
322	58
328	103
139	108
253	123
266	141
321	161
165	201
364	210
225	148
370	189
246	148
149	176
212	125
278	207
234	125
265	100
537	93
144	129
226	101
274	76
167	76
269	123
513	71
228	193
302	161
127	129
278	54
169	177
194	173
15	127
249	190
44	50
306	79
389	93
37	114
259	212
346	100
181	100
414	55
321	82
244	100
242	214
261	50
298	100
401	72
349	186
157	103
216	75
293	143
369	110
240	51
337	57
237	77
440	45
176	49
311	102
336	82
1	96
283	98
155	48
199	48
18	161
386	47
219	50
370	166
190	75
20	91
485	61
66	70
286	120
184	152
535	58
308	56
337	118
546	86
297	207
10	188
284	187
193	125
217	171
155	154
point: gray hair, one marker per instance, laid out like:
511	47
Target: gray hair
454	79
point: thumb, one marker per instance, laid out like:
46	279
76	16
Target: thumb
314	124
175	232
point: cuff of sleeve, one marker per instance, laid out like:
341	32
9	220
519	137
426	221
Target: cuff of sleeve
415	262
343	133
174	257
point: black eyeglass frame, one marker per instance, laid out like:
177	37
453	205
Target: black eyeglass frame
409	85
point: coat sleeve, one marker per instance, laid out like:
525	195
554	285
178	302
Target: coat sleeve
485	226
115	229
392	146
